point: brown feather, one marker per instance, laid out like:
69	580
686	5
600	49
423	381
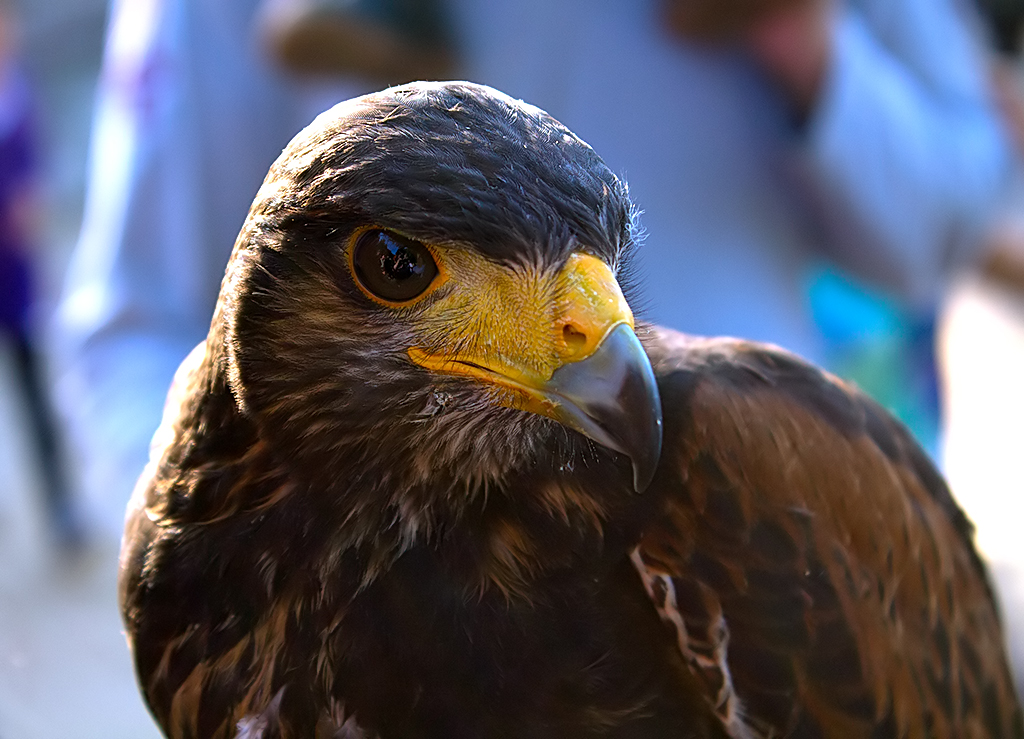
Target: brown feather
806	519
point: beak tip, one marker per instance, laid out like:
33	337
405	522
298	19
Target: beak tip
645	464
613	398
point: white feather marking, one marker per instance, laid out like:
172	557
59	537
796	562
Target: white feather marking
255	726
726	703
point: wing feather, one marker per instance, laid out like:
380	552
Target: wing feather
813	564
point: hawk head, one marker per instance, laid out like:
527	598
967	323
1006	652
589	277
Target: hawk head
425	302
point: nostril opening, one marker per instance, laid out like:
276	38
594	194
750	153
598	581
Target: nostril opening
574	339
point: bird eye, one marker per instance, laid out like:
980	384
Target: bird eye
392	267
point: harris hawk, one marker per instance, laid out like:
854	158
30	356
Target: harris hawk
428	477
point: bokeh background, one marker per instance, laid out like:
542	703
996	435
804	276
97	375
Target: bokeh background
64	668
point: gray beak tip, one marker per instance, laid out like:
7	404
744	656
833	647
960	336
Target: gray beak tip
612	397
646	466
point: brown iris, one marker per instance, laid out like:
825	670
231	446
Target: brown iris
392	267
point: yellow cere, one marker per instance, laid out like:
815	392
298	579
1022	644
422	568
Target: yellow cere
512	327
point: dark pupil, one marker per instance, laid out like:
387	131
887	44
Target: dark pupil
393	267
398	261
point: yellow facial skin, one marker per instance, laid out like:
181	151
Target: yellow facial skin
556	342
512	328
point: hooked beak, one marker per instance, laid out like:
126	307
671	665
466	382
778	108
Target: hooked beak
577	361
612	397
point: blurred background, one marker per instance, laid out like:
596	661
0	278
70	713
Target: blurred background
859	203
63	670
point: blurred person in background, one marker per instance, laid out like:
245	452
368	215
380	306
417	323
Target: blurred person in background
19	174
981	353
758	136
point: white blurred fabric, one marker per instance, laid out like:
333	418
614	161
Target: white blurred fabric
981	343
